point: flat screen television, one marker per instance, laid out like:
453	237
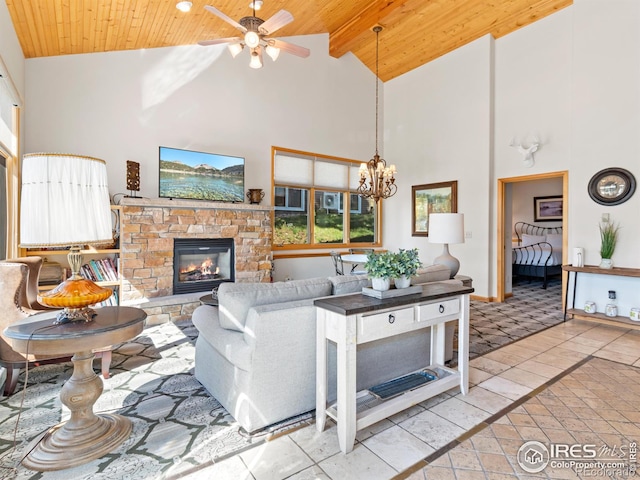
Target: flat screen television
201	176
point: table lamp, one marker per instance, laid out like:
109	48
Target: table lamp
446	228
65	203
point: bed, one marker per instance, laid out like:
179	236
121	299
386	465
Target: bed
538	253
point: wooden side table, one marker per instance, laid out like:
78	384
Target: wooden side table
85	436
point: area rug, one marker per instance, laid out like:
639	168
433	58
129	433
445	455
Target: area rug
177	425
531	309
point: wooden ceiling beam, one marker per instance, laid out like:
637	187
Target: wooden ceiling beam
348	34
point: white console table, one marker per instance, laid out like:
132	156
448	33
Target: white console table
355	319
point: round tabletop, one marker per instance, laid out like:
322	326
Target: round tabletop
354	258
111	325
209	300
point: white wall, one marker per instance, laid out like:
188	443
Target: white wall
522	204
572	79
10	51
121	106
606	120
437	129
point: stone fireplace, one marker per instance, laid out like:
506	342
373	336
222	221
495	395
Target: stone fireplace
151	226
200	264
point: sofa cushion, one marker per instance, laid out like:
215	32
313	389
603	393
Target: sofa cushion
228	343
235	299
345	284
432	273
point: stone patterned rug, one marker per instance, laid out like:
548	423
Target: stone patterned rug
529	310
177	425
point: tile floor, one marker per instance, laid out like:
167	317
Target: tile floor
539	388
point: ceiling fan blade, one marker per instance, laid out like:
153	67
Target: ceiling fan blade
279	20
290	48
217	41
226	18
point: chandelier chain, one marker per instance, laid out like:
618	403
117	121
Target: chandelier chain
377	30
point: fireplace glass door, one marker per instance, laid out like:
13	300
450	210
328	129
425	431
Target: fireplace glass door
200	265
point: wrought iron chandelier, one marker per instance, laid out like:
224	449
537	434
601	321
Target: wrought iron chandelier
376	179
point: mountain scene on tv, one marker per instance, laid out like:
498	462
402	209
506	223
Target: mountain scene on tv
201	176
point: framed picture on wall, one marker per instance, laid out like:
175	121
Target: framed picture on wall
547	209
431	198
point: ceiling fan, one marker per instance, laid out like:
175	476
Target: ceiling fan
256	36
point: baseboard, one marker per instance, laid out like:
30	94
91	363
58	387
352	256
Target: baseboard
482	299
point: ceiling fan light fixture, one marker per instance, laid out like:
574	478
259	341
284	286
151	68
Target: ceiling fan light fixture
273	52
252	39
235	49
256	58
256	5
184	6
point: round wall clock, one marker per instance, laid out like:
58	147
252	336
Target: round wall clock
612	186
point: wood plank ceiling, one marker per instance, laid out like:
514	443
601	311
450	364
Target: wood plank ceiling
415	31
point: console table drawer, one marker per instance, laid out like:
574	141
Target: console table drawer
372	327
436	310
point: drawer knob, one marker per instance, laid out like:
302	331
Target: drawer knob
392	318
441	308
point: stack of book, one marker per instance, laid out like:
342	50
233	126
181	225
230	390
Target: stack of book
112	301
102	270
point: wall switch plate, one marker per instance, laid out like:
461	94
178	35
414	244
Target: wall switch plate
605	218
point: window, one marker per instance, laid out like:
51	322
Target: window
9	114
316	204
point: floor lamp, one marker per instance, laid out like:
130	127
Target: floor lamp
65	204
446	228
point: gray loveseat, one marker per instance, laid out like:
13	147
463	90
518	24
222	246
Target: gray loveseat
256	352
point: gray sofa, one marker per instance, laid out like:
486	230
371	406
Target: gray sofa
256	352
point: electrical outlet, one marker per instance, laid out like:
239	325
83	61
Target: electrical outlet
468	234
605	218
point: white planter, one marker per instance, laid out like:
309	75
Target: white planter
381	284
606	263
403	282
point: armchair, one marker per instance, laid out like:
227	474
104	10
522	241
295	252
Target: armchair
18	300
13	282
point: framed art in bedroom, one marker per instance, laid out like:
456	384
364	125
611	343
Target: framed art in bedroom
431	198
547	209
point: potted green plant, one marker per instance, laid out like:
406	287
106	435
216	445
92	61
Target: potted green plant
407	263
608	237
381	268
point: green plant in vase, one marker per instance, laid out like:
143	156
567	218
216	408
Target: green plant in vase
407	263
381	268
608	238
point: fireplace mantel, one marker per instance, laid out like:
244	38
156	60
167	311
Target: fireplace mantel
150	225
198	204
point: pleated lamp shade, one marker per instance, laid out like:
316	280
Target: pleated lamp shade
65	203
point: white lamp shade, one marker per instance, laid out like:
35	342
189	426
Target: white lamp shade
446	228
256	58
235	49
64	201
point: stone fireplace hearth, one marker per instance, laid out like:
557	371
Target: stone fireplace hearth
149	227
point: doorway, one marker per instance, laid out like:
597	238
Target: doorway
505	225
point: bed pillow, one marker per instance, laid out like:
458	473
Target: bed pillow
555	239
531	239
